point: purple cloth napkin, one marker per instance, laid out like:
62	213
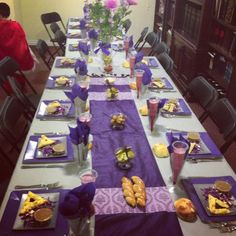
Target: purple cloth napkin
82	24
77	91
139	57
147	76
80	133
81	67
93	34
188	185
77	202
83	47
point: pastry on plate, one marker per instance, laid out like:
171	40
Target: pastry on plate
158	83
160	150
193	137
32	201
45	141
62	80
52	107
217	207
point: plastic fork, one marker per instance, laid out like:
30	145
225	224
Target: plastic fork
45	186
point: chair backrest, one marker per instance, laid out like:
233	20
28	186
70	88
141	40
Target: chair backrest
54	27
60	38
224	115
141	38
160	48
49	18
127	24
151	39
45	53
9	67
203	92
166	61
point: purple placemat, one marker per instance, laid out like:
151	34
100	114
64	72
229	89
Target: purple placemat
101	96
11	210
111	201
30	158
73	49
189	188
185	111
51	84
58	64
215	152
103	88
102	112
167	86
70	113
101	81
152	62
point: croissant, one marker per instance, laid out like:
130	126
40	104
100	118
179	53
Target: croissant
138	180
128	193
131	201
141	202
126	180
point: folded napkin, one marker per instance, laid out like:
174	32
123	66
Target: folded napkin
80	133
147	76
77	91
139	57
81	67
82	24
83	47
93	34
77	207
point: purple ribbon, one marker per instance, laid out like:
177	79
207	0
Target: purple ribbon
81	67
93	34
77	91
147	76
104	47
77	202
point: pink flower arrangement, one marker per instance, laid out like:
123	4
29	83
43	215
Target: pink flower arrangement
111	4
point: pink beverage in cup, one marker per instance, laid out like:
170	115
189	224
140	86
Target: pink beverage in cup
126	47
85	118
139	79
153	106
177	158
88	176
131	65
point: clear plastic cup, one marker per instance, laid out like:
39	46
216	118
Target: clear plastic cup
88	176
139	79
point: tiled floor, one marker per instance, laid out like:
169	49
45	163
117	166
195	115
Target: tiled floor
38	79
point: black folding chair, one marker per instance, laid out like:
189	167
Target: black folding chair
141	38
159	48
54	27
60	38
203	93
151	39
9	67
224	116
127	24
166	61
45	53
49	18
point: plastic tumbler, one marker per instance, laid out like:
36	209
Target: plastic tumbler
131	65
85	118
153	107
126	46
139	78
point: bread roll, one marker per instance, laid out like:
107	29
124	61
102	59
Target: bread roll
185	209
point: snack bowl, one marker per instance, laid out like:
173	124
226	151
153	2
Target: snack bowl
88	176
118	121
43	215
124	156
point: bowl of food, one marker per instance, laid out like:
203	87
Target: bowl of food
118	121
124	157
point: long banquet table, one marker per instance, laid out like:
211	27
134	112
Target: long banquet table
67	173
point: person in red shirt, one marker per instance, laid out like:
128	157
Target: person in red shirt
13	40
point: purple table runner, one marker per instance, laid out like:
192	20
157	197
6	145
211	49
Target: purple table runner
101	81
109	175
103	88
